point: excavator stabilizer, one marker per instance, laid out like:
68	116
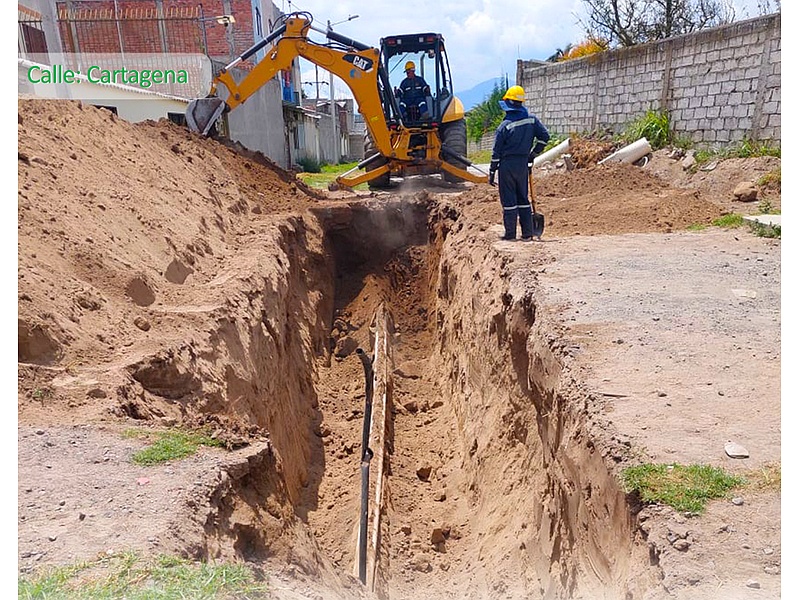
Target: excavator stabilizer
202	113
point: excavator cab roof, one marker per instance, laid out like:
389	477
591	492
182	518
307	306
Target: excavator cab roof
410	42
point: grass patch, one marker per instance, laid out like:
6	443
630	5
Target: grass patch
731	221
767	478
764	230
771	178
480	157
328	174
745	149
697	227
653	125
685	488
170	445
134	578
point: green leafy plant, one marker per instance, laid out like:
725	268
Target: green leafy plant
130	576
730	221
653	125
685	488
764	230
309	164
170	445
487	115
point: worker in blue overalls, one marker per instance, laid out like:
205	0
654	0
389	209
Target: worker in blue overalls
518	140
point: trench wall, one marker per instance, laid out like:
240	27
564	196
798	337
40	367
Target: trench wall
719	85
552	520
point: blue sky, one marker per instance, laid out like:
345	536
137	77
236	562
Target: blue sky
484	38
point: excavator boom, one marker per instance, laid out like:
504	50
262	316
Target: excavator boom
357	64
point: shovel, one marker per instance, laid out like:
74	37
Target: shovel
538	219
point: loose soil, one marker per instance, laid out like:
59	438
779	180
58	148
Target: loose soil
168	280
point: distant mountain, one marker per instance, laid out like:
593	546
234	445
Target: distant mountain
477	94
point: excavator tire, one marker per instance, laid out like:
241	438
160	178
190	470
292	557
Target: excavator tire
454	136
383	181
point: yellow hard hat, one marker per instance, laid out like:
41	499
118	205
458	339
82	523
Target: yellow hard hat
515	92
410	65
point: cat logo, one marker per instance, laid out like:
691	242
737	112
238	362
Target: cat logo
359	62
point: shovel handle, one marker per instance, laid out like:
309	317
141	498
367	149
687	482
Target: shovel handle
531	190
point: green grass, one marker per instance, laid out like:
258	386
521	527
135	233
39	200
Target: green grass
135	578
773	177
745	149
327	175
480	157
685	488
765	231
731	221
170	445
697	227
653	125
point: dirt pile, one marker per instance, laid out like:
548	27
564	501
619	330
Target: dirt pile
168	280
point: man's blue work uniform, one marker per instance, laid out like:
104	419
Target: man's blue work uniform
518	139
414	90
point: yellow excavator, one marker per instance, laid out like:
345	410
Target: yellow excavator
398	143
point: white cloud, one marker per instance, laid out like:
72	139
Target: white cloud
484	38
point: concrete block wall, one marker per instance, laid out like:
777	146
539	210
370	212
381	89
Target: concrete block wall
720	86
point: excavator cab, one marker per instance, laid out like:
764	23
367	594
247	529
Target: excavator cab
427	52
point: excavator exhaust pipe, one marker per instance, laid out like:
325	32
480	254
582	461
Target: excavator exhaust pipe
202	113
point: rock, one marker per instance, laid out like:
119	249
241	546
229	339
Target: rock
177	272
406	529
772	570
710	166
424	472
142	323
689	161
745	192
735	450
437	536
738	501
440	496
97	393
345	347
753	584
768	550
421	564
682	545
411	406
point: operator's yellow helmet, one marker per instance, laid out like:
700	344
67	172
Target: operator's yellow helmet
410	65
515	92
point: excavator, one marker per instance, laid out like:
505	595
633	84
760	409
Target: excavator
396	143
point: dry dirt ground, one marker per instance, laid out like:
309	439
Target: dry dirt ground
168	280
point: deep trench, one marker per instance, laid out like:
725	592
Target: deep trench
494	487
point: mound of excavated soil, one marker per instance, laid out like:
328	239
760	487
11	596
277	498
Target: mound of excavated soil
166	279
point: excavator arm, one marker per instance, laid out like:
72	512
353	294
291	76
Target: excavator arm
358	66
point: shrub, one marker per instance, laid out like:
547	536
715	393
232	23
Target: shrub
309	164
653	125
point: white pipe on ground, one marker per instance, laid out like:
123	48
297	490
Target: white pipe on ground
630	153
551	154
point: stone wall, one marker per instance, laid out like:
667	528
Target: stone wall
720	86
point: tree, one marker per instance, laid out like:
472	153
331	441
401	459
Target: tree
487	115
631	22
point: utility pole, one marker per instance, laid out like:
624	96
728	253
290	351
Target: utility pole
334	109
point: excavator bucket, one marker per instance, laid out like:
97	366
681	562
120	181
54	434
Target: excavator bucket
202	113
